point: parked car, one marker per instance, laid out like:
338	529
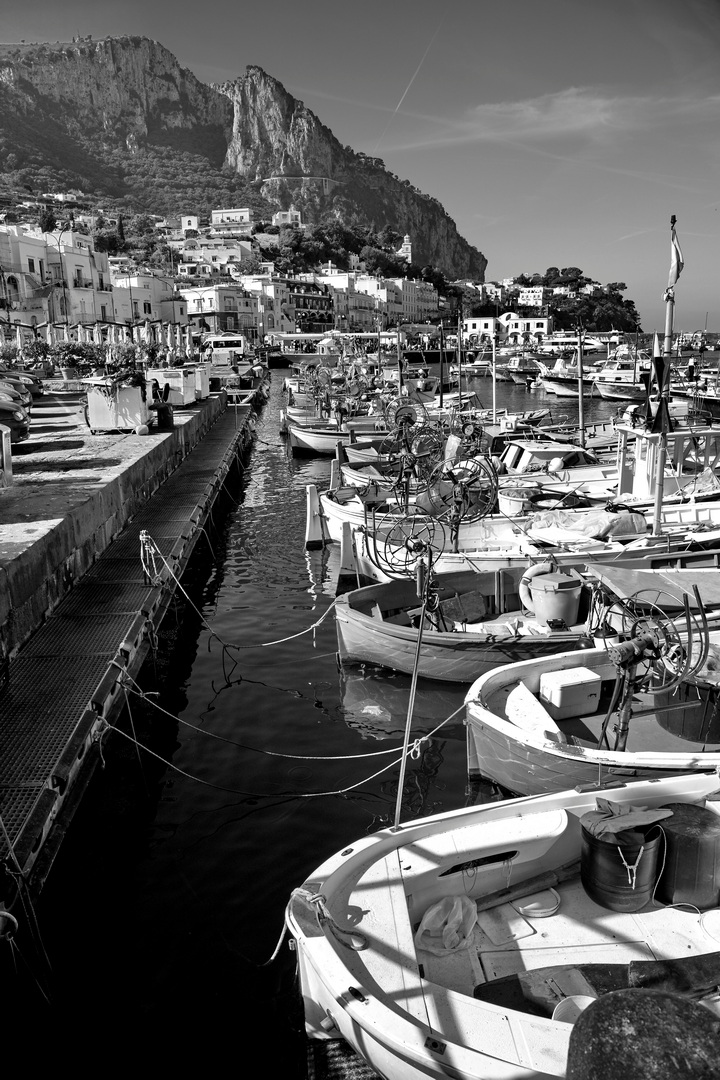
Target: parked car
32	383
16	391
16	418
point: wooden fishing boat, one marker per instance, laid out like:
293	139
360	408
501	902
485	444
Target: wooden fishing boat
688	539
452	945
475	622
536	727
321	439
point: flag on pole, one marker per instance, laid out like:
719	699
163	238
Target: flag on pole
676	258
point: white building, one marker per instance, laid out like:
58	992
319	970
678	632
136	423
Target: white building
288	217
533	296
204	256
509	327
141	296
222	307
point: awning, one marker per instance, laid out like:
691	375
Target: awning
663	587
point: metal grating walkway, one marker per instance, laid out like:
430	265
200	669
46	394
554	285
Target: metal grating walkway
63	686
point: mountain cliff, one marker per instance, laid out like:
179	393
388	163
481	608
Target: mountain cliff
120	119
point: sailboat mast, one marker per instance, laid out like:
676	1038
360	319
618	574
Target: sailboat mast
581	403
662	417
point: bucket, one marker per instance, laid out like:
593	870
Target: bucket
568	1010
556	596
691	874
514	501
618	876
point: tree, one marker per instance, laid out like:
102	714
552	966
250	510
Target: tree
47	220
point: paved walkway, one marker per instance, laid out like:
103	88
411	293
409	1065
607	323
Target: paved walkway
63	686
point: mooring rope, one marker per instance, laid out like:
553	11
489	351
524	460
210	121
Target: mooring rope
150	554
413	752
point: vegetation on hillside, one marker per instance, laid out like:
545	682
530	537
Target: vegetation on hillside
605	309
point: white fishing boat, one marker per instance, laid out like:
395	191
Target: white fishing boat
323	439
563	378
643	709
463	625
521	368
625	374
454	945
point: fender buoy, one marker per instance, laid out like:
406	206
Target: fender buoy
547	567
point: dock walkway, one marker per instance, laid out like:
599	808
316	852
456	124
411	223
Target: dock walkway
71	544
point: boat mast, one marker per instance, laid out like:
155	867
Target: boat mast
581	403
399	360
494	375
459	353
423	581
662	422
442	362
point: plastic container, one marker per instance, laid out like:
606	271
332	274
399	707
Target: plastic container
568	1010
573	692
556	596
691	874
606	870
515	501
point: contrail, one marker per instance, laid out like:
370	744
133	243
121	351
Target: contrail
407	88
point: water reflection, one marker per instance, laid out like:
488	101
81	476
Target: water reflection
375	702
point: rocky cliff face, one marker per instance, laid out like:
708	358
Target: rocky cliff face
132	93
130	89
276	140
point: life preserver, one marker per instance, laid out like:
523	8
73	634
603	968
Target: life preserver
547	567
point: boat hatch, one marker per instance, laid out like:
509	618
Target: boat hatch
486	860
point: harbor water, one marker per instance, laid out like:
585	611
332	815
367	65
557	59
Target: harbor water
246	757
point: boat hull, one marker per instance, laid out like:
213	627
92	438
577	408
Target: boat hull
412	1016
450	656
529	753
620	391
567	387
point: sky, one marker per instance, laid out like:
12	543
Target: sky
554	132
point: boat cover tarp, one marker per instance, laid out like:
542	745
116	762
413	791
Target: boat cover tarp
611	818
559	526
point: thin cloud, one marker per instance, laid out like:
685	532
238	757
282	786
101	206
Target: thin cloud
570	112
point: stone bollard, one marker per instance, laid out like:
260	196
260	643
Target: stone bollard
6	473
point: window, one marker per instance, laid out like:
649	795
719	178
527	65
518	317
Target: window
147	308
103	313
31	266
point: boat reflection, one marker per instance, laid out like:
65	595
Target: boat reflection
375	701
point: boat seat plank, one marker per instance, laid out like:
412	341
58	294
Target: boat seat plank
524	710
390	959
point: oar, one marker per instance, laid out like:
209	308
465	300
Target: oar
529	886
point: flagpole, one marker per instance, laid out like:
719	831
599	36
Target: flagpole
661	423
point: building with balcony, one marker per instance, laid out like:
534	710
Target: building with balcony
139	296
219	307
202	256
508	328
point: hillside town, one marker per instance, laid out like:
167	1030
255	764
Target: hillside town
58	287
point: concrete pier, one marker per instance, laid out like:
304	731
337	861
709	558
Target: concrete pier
95	532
